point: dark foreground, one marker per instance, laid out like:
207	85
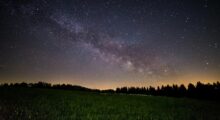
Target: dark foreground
49	104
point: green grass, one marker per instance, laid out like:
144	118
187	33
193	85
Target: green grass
48	104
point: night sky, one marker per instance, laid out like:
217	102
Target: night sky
110	43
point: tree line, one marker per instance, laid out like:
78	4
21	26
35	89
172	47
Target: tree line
46	85
199	90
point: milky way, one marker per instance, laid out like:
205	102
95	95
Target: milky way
109	43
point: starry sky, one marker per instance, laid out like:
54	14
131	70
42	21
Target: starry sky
110	43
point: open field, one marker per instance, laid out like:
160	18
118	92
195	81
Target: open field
49	104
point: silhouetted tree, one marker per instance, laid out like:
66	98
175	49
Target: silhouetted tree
182	90
191	90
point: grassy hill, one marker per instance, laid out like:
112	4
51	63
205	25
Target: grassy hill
49	104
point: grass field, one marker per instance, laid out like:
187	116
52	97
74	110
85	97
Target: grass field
48	104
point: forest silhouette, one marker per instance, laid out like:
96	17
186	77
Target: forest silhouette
199	90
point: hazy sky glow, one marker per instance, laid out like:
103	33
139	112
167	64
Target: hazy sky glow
110	43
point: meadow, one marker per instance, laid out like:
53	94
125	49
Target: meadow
51	104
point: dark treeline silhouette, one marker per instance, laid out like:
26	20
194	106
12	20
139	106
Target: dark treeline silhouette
200	91
47	85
